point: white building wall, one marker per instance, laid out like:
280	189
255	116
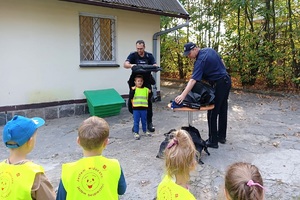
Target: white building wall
40	56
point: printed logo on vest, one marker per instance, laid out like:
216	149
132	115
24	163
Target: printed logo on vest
89	181
6	181
166	193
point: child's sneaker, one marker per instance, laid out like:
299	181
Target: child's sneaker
148	134
136	136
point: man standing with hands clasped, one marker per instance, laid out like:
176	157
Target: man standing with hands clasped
210	67
142	57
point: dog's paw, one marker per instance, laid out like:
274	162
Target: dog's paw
200	162
206	151
159	156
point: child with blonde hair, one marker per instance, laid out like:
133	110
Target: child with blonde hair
93	176
243	181
180	160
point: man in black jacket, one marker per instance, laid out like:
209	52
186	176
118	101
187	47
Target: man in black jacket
142	57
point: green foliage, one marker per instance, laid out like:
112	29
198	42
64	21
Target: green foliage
296	81
257	39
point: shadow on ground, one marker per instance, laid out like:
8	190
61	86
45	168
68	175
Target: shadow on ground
263	130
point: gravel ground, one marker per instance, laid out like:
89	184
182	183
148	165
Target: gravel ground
262	129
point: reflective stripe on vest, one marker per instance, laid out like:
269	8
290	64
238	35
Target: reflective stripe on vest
168	189
93	177
140	98
17	180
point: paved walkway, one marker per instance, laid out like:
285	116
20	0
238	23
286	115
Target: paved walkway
263	130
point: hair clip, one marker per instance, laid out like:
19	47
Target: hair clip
251	183
172	143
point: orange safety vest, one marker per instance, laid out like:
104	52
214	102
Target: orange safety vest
93	177
16	180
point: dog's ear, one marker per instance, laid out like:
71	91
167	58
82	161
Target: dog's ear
170	131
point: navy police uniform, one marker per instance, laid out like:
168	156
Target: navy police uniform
209	66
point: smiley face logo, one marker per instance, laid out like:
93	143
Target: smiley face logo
165	193
90	181
5	185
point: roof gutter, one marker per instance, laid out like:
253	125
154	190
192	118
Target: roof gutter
130	8
155	36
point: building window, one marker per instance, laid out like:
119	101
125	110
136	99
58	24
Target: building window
97	40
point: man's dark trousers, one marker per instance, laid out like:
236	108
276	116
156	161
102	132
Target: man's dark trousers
217	117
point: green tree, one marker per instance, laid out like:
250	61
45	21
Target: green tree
257	39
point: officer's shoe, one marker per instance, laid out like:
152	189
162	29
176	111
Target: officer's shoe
222	141
150	127
211	145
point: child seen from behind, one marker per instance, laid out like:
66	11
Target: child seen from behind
20	178
180	160
93	176
243	181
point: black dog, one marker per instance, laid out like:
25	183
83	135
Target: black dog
200	144
168	136
195	135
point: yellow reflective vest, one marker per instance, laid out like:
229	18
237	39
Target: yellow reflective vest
168	189
140	98
93	177
16	180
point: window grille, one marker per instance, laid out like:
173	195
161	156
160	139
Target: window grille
97	39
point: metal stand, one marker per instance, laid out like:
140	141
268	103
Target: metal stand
190	118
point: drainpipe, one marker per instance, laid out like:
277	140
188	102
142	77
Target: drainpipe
155	36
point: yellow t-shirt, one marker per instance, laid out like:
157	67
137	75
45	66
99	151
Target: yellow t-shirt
169	190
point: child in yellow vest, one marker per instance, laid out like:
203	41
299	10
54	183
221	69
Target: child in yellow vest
139	97
21	178
243	181
180	159
93	176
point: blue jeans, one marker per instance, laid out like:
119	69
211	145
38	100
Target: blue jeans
137	116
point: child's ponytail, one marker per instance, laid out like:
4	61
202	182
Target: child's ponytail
180	154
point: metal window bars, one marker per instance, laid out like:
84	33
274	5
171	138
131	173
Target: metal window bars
97	39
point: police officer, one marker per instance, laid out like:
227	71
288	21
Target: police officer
209	66
140	57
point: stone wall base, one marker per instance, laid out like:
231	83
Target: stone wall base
47	112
